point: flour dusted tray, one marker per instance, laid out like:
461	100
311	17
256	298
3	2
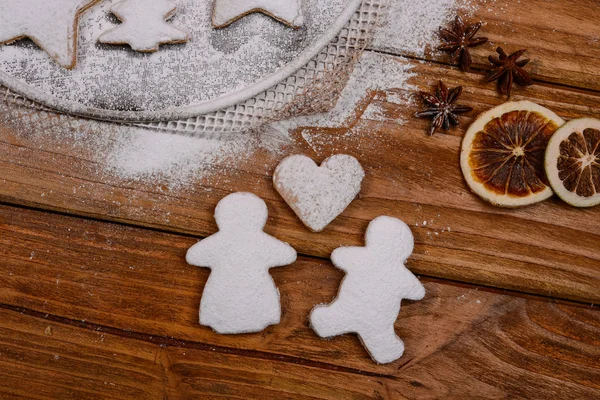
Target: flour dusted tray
218	68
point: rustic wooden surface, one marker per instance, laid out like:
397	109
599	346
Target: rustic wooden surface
101	304
119	306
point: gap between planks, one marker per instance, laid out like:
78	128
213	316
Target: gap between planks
431	278
395	198
171	277
482	70
187	344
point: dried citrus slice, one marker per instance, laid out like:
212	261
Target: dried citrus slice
573	162
503	152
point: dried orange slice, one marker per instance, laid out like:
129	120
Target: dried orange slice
573	162
503	152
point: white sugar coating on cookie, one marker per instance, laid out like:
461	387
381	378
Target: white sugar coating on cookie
287	11
240	296
110	77
144	25
52	25
369	297
318	194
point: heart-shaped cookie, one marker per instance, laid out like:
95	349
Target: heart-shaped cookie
318	194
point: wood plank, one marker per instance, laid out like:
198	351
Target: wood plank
45	359
549	249
75	363
42	358
136	281
561	37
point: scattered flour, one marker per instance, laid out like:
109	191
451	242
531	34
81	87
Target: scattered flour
373	72
176	160
143	155
412	25
411	28
156	158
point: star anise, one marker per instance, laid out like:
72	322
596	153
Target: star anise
459	40
507	69
442	107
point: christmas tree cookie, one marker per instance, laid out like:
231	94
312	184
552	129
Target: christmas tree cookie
145	25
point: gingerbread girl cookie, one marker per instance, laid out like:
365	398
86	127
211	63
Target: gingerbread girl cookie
240	295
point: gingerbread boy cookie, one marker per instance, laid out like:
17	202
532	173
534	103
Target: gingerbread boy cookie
240	295
369	298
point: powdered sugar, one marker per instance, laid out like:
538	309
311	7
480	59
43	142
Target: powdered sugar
374	71
112	78
176	161
412	26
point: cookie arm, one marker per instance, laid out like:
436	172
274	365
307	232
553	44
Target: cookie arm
202	253
348	258
414	288
281	253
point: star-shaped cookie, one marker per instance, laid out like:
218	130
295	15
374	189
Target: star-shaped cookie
51	24
145	25
288	12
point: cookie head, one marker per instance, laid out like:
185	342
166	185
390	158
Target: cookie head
241	212
390	235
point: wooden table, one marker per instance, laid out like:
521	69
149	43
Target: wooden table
96	300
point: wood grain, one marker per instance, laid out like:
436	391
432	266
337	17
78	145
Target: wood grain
561	37
46	360
72	362
96	309
90	309
549	249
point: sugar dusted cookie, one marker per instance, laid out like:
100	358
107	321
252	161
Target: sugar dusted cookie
145	25
318	194
51	24
212	71
369	298
240	295
288	12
